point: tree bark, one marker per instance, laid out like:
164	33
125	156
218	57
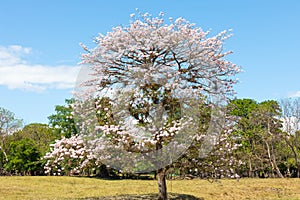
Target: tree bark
272	161
275	163
250	174
162	187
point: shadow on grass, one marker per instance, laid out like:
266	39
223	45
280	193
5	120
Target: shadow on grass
171	196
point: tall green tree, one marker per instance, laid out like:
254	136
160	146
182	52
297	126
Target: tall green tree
62	120
242	109
259	127
267	120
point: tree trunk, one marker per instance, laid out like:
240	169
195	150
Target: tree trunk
273	162
103	172
162	187
298	170
277	168
250	174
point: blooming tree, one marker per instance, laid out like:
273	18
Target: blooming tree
221	161
155	75
69	156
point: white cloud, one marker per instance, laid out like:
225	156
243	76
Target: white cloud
13	55
295	94
16	73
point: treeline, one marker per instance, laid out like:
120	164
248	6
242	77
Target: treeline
270	137
266	134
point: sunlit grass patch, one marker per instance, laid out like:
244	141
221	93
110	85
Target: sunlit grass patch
48	187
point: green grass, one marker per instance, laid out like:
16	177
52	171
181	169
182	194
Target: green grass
91	188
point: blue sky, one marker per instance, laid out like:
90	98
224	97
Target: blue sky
39	45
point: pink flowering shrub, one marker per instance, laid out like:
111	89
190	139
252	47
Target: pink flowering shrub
69	156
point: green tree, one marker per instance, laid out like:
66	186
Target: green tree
260	130
24	157
62	121
266	119
41	134
242	109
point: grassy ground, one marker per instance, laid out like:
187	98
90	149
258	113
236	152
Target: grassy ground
91	189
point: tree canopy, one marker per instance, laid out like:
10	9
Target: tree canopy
156	73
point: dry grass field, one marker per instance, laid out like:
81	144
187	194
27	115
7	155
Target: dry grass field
91	188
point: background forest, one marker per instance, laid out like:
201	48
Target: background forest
266	134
